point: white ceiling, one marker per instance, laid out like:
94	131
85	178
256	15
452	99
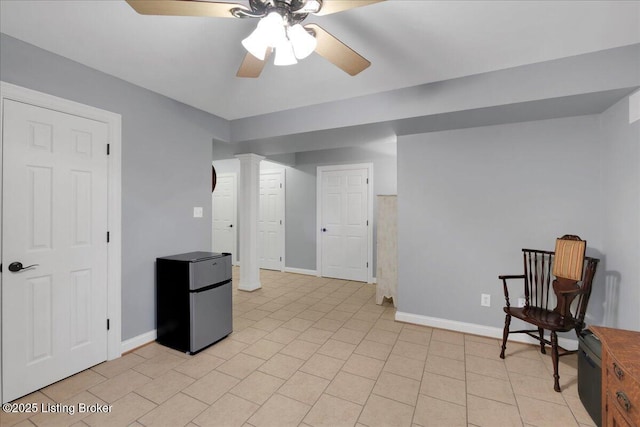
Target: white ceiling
409	42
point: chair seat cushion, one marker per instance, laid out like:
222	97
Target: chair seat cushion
542	318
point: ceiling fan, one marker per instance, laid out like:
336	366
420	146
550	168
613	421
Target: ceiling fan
279	29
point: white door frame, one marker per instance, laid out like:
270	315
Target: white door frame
320	171
114	267
283	205
234	251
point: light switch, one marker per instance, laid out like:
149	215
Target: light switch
197	212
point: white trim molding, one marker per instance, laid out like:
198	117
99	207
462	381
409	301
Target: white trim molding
300	271
138	341
283	250
474	329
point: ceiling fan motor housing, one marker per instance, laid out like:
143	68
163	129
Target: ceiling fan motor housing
291	10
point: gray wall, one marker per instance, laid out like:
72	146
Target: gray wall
469	200
621	203
301	189
166	166
301	217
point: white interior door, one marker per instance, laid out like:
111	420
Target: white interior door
271	220
54	314
225	215
343	219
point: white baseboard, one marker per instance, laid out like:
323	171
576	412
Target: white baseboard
139	341
472	328
300	271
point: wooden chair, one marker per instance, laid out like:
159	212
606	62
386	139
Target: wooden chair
569	291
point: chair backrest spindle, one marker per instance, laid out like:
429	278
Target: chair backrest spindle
538	271
548	279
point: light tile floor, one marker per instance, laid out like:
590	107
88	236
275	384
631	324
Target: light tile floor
319	352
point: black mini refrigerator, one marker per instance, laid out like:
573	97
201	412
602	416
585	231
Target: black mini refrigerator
590	374
193	300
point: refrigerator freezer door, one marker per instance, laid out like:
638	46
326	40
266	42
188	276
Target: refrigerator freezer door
209	271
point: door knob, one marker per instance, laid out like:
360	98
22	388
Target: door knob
231	226
324	230
17	266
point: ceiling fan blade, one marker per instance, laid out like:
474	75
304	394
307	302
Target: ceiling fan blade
334	6
251	66
338	53
185	8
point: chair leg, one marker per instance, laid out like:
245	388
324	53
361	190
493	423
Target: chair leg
541	332
505	334
554	359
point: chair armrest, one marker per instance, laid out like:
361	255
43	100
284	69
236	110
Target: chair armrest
511	276
504	279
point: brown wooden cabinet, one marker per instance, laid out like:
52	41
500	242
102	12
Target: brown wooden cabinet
620	376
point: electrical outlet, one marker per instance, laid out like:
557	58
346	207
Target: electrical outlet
485	300
521	302
197	212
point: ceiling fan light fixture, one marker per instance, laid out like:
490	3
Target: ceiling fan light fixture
269	33
274	25
303	43
255	45
285	54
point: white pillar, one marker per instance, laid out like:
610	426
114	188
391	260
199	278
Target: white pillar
248	205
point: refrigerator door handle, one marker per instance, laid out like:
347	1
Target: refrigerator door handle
206	288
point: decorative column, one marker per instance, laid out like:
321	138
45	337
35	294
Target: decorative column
248	205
